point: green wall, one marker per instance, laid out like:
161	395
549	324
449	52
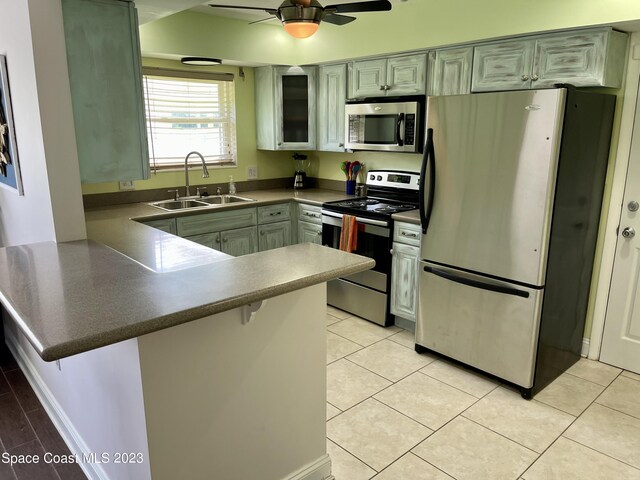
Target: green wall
270	164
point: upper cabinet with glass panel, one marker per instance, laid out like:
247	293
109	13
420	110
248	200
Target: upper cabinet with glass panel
286	108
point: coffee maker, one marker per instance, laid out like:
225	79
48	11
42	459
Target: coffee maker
300	176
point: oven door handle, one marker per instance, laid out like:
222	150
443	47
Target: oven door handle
367	221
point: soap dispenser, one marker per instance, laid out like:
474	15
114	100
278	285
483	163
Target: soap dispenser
232	186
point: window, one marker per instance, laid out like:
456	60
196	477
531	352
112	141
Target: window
189	111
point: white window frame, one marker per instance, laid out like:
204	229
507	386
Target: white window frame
178	163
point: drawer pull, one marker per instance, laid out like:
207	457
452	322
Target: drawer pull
410	235
273	214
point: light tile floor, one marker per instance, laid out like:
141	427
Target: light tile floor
393	414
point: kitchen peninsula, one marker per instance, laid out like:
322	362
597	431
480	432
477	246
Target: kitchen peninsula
187	359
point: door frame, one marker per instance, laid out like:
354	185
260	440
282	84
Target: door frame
612	210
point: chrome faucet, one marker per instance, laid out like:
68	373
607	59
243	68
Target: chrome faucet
205	172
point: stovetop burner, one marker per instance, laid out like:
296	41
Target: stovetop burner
358	203
393	208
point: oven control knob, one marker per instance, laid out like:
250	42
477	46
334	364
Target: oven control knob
372	177
379	178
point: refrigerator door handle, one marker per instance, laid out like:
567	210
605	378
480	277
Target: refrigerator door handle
476	283
428	160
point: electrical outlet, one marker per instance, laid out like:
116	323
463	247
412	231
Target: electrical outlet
127	185
252	172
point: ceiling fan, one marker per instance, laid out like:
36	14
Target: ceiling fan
301	18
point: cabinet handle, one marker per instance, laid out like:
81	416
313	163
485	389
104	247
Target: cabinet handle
218	239
225	239
312	215
382	87
341	145
319	233
524	78
262	232
391	251
273	214
535	77
410	235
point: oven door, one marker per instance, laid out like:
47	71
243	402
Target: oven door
364	294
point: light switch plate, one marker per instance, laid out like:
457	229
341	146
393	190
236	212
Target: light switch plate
252	172
127	185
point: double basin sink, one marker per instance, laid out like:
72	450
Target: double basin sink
199	202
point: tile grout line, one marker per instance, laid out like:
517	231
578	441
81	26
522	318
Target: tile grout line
353	455
591	381
570	425
453	386
615	409
601	453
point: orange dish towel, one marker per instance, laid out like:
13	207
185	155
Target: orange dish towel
349	234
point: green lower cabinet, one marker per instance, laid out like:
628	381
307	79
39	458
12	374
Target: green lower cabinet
309	232
404	280
274	235
165	224
211	240
240	241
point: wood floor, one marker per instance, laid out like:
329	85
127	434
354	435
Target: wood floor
25	429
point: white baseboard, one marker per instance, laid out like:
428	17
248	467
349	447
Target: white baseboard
318	470
585	347
62	423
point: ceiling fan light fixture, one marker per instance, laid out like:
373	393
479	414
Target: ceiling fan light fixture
300	29
200	61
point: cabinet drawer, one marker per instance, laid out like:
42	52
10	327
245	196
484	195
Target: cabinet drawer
309	213
215	222
407	233
274	213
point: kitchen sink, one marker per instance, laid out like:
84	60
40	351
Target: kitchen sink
222	199
179	204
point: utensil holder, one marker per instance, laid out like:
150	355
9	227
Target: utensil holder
351	187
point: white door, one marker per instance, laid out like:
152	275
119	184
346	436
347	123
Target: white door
621	341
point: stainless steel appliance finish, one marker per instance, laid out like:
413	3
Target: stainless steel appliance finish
512	187
383	126
366	294
499	158
490	324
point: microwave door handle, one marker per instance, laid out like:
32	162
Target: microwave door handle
399	123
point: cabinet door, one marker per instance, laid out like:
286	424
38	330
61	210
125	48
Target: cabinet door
578	59
211	240
265	88
309	232
451	71
407	75
404	280
367	78
103	58
274	235
502	66
296	108
166	225
241	241
332	93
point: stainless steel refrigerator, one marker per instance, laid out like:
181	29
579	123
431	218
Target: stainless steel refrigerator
512	187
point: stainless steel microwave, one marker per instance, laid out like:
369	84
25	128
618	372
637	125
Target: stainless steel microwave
385	126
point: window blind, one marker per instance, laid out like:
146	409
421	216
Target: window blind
187	114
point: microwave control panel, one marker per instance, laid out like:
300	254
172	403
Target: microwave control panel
410	129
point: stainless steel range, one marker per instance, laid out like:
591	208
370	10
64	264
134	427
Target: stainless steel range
366	294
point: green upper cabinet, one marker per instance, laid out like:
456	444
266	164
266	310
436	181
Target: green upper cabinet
588	58
332	94
103	55
450	71
286	108
403	75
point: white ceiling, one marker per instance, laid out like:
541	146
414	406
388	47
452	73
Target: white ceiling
149	10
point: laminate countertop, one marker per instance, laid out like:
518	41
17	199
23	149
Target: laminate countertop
128	279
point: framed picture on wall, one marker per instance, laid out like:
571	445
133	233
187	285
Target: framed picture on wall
9	166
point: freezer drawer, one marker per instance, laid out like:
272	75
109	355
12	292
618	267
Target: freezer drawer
488	324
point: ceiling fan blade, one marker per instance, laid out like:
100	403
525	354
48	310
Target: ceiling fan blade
374	6
337	19
270	11
262	20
